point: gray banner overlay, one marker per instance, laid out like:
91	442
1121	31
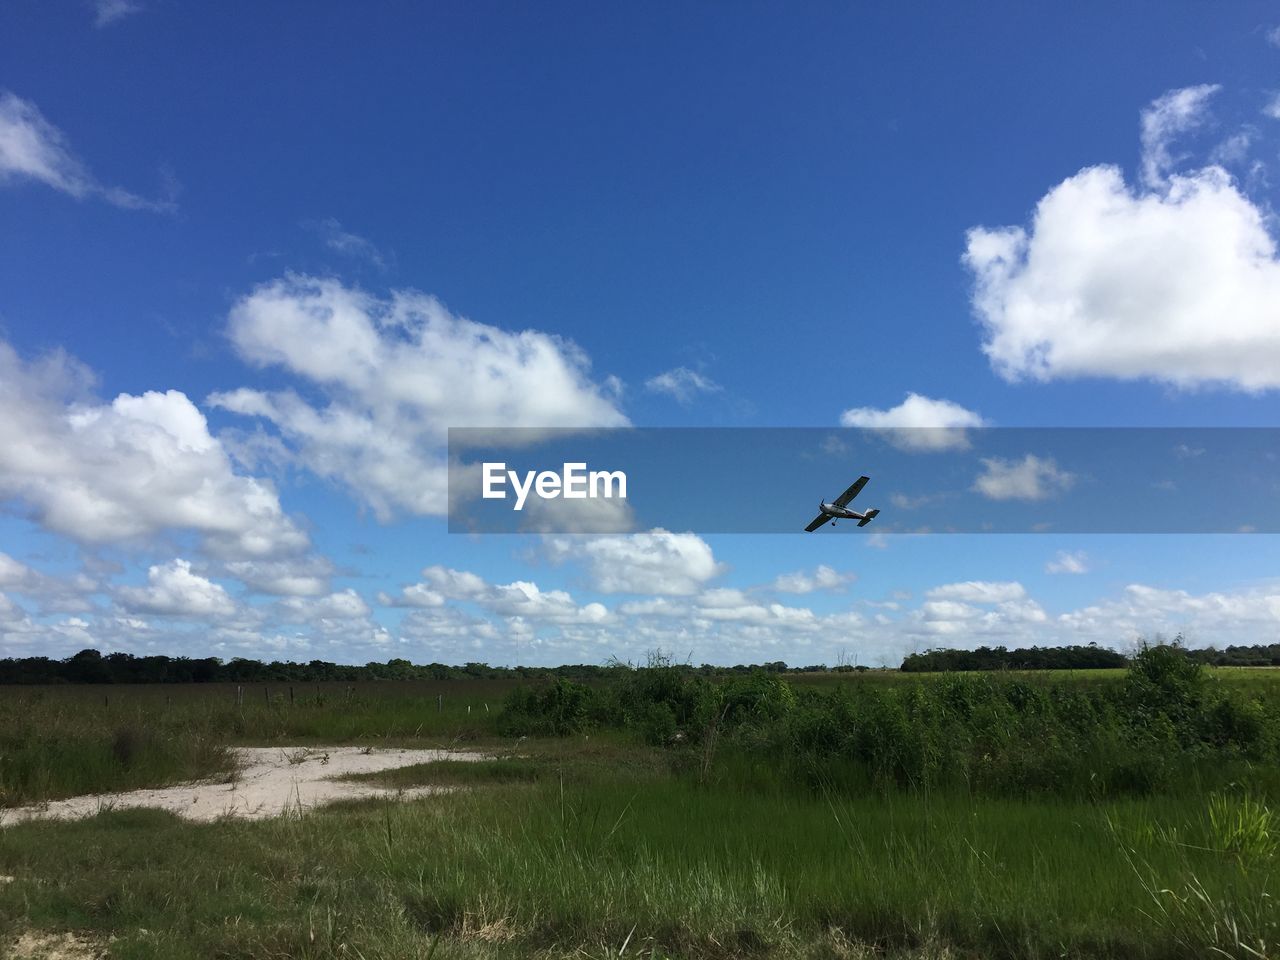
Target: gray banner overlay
921	480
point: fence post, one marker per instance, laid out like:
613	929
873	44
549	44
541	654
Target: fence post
439	702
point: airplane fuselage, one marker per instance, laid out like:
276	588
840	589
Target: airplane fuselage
839	512
838	509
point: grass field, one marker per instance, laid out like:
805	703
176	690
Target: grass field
753	836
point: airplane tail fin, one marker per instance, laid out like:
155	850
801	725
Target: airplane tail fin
868	517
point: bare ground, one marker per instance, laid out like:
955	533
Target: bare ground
270	781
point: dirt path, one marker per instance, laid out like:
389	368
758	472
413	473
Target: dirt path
272	781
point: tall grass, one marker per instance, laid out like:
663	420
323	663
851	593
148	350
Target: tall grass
62	741
564	865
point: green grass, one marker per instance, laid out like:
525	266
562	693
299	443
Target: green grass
774	837
463	773
569	863
62	741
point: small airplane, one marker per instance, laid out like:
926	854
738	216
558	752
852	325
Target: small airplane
838	509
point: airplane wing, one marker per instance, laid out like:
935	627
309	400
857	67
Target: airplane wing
853	491
817	521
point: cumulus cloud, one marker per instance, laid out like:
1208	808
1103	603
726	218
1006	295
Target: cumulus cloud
394	375
979	591
681	384
1176	280
656	562
31	148
439	583
919	423
822	578
174	590
1219	617
1068	562
291	577
66	594
129	469
520	599
1031	478
590	515
340	605
524	599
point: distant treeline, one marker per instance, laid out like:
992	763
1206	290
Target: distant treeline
1028	658
1255	656
91	666
1076	658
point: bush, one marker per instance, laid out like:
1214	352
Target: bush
988	733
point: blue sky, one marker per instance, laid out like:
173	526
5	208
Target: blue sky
254	263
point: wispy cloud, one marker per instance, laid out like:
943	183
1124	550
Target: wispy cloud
682	384
1068	562
107	12
31	148
343	241
1168	117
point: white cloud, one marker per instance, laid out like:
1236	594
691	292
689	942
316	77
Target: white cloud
1273	36
455	584
520	599
439	584
822	578
979	591
1167	118
340	240
1031	478
291	577
1177	282
1068	562
174	590
109	11
591	515
657	562
1217	618
31	148
918	423
63	594
524	599
130	469
414	595
13	572
682	384
1272	107
395	374
340	605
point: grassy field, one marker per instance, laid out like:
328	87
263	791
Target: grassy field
747	831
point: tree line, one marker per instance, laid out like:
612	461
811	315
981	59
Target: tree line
92	666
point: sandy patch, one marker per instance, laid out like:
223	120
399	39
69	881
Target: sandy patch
54	946
271	781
